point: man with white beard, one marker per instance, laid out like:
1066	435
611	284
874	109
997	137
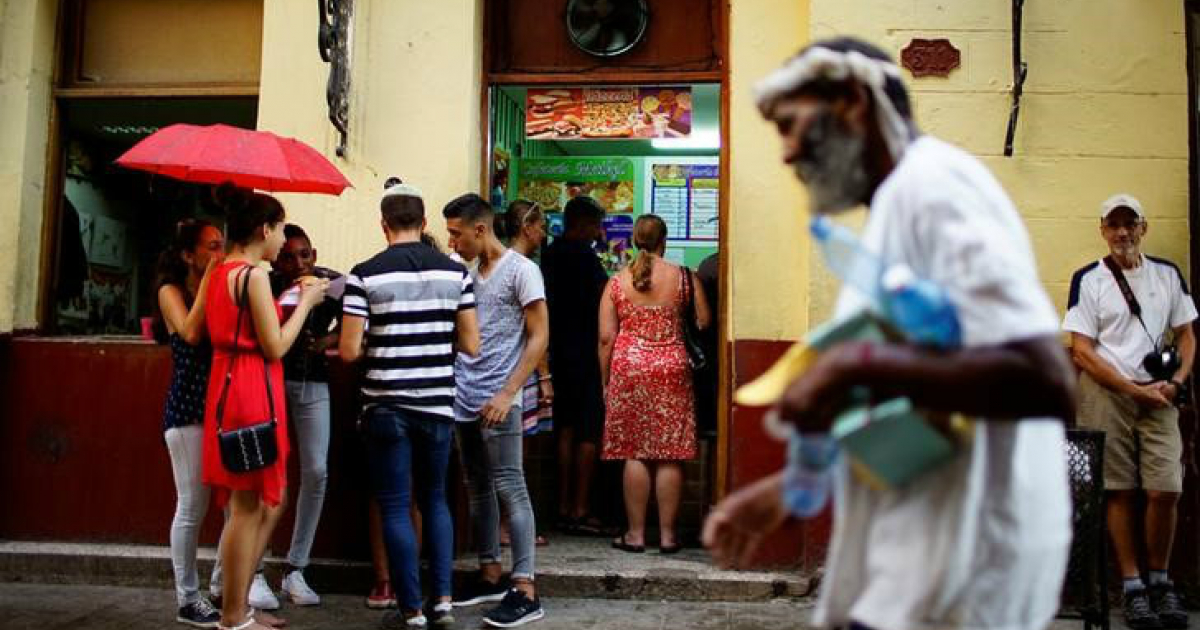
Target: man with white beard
982	541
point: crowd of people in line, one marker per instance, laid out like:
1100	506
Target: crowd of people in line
454	346
474	345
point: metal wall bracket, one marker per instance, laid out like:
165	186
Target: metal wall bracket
333	42
1020	71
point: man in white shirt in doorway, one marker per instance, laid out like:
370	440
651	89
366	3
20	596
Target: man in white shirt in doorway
982	541
1131	377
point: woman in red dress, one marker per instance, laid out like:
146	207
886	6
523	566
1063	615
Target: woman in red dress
255	228
651	411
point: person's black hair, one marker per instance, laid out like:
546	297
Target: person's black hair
402	212
291	231
471	208
833	90
172	270
582	211
430	240
246	211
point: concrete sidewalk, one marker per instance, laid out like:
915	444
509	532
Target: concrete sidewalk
568	567
78	607
75	607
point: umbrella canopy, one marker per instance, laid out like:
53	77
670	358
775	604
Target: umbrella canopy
216	154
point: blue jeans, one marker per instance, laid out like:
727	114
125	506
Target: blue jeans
400	446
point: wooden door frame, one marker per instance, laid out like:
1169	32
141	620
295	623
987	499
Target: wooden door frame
489	80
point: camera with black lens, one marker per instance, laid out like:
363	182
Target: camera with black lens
1162	364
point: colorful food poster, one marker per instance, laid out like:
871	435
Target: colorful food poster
618	238
686	196
552	181
608	113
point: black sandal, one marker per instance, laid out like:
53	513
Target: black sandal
670	549
621	545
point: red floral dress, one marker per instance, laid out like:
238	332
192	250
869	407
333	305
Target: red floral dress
246	403
651	411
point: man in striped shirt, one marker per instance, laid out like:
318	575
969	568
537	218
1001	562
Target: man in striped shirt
415	307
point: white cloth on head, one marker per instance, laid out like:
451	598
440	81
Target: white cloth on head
1097	309
403	189
982	542
824	63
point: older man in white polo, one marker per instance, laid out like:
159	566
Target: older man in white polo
1130	318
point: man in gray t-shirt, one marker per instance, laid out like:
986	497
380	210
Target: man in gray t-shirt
510	303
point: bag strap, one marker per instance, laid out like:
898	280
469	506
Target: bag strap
689	308
1127	292
243	301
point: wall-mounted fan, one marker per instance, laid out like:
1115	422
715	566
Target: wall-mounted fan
607	28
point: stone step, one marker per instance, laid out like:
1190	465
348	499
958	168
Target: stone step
568	567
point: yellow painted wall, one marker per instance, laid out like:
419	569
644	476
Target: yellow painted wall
414	111
768	244
1105	111
26	56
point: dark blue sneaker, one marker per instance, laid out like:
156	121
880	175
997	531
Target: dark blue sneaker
479	590
1139	615
516	609
199	614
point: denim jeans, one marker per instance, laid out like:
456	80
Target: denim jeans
401	446
492	460
191	504
308	412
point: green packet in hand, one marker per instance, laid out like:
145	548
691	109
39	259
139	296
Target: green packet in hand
891	444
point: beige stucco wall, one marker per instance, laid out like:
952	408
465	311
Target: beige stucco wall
26	63
1105	111
768	246
414	111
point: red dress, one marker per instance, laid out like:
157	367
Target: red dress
651	411
246	403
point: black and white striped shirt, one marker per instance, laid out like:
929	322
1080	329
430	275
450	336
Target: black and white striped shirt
410	294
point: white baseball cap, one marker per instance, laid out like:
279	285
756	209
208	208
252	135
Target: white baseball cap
402	189
1121	200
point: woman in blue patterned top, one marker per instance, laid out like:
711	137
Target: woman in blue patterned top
182	276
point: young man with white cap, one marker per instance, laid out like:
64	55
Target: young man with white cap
982	541
414	308
1123	313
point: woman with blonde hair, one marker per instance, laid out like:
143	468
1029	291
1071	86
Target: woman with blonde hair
651	411
245	388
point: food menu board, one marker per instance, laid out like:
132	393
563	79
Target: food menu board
686	196
608	113
552	181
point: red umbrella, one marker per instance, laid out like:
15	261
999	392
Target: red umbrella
216	154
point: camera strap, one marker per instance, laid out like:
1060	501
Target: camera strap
1127	293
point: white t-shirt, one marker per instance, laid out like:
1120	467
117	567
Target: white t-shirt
982	542
1097	309
500	301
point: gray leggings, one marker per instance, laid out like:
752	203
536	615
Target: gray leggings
492	460
308	412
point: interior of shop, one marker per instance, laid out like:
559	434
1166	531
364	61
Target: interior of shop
114	221
643	149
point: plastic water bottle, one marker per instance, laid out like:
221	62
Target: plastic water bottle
808	478
917	307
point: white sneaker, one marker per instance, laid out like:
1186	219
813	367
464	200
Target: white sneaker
261	596
297	590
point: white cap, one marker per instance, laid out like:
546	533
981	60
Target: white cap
1121	201
401	188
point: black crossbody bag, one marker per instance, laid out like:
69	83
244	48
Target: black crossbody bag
252	447
691	336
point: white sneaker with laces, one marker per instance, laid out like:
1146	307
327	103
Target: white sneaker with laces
298	591
261	596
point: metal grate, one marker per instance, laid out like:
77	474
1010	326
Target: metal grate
1084	593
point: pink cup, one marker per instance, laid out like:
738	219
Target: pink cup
148	328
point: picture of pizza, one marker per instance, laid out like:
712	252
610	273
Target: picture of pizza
609	120
547	194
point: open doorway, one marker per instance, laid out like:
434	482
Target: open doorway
636	149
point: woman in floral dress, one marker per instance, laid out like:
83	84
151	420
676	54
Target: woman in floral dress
651	411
